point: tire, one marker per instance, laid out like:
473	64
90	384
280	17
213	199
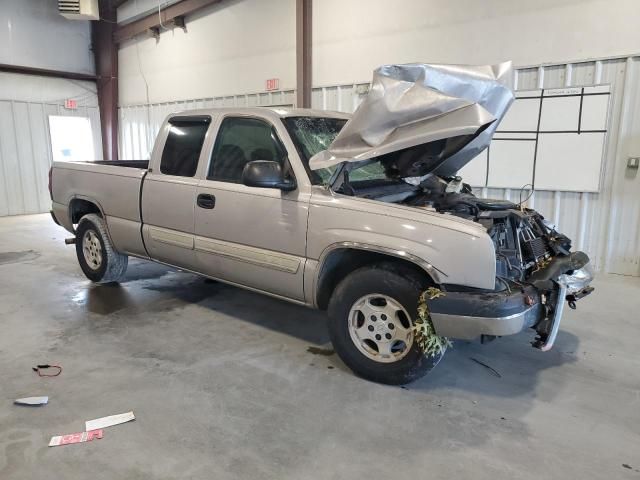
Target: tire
364	291
99	261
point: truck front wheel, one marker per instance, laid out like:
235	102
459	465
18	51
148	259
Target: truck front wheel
99	261
371	315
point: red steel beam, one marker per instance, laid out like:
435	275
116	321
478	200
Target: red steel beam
43	72
167	14
106	59
303	53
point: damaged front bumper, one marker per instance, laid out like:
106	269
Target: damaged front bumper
538	304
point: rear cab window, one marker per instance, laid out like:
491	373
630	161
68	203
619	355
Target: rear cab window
183	145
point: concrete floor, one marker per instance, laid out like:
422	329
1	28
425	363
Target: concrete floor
223	386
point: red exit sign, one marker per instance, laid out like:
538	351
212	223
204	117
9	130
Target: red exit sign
70	104
272	84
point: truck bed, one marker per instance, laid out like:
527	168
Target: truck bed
112	185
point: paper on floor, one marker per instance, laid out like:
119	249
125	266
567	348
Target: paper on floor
109	421
79	437
32	401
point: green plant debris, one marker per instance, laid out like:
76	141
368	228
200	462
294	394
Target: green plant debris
426	337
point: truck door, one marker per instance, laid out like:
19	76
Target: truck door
251	236
169	191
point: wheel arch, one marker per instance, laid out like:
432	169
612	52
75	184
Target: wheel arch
79	206
339	260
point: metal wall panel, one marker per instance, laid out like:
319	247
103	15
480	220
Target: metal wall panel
604	224
139	124
25	153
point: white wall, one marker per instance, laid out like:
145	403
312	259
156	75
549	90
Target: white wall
134	9
32	33
230	48
27	88
352	37
233	47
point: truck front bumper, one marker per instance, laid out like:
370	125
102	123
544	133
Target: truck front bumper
539	304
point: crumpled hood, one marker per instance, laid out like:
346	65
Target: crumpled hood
437	117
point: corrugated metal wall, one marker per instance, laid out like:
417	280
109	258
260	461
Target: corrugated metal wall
590	219
139	124
25	153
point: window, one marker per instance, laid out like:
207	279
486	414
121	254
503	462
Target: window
71	138
183	145
240	141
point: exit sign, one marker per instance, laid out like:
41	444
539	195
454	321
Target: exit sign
273	84
70	104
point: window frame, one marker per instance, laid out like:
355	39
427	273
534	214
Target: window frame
268	122
177	119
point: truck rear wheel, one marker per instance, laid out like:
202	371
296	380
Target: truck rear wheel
371	315
97	257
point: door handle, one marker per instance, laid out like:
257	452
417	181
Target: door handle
206	201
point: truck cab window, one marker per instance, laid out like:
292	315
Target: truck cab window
242	140
183	146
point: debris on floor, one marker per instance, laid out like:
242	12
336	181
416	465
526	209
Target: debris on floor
109	421
79	437
56	370
32	401
491	369
321	351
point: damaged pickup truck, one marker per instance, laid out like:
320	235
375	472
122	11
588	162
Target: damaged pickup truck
356	215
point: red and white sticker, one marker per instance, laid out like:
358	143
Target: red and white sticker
75	438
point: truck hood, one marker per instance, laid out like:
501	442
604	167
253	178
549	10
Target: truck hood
442	115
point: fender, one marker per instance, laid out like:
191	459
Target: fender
436	274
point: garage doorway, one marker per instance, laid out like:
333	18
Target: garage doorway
71	138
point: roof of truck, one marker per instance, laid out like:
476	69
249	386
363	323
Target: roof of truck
266	112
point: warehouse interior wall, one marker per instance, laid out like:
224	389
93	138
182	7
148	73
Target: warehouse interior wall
352	38
62	44
27	101
232	47
134	9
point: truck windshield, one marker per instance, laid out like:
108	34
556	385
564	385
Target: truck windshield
312	135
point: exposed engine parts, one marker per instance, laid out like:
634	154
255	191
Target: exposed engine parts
524	242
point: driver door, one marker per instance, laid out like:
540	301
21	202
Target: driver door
251	236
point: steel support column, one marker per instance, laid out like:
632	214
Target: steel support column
303	53
106	58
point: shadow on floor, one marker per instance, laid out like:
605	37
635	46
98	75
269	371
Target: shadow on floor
517	363
153	287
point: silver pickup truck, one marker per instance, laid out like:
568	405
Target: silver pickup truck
229	194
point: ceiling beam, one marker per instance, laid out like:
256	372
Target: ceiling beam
303	53
43	72
152	21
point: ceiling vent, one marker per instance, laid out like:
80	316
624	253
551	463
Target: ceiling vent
79	9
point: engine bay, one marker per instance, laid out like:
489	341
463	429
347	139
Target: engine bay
524	241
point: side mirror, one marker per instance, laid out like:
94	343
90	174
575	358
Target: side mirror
266	174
